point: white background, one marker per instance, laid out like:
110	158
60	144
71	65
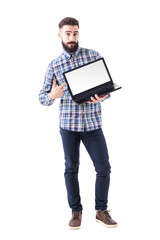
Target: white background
33	202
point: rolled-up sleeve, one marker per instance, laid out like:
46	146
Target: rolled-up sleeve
47	86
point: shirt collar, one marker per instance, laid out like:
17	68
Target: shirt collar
69	55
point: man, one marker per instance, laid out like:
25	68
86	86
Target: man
78	123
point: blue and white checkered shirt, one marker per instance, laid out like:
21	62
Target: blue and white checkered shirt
73	117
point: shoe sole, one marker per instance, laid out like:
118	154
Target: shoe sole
75	228
106	225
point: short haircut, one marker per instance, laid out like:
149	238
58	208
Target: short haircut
68	21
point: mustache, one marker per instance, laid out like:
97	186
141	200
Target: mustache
71	42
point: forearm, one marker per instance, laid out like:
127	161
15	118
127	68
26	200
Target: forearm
44	98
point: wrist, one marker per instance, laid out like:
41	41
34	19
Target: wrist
50	96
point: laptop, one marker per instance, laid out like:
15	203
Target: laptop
89	79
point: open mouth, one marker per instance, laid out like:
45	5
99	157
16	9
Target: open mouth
71	43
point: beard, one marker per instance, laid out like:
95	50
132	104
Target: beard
72	48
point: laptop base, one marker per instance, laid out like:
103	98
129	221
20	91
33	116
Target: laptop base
100	92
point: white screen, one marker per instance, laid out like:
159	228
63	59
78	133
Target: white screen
87	77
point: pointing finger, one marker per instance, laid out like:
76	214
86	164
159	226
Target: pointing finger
63	85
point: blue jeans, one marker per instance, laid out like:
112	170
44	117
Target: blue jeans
95	144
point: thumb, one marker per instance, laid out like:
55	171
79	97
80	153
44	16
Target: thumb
54	84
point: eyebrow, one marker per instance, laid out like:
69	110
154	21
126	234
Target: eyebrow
71	31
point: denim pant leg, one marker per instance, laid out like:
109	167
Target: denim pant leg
71	143
96	146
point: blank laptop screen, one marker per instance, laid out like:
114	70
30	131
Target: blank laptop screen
87	77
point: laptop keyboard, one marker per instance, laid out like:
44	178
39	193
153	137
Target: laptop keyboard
100	91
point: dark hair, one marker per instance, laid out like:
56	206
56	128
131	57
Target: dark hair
68	21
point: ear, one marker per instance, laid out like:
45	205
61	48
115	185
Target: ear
59	35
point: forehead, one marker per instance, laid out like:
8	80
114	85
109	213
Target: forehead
70	28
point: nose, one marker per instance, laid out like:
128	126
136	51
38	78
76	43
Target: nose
72	37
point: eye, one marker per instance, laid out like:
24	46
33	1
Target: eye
68	34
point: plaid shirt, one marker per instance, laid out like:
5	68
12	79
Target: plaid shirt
73	117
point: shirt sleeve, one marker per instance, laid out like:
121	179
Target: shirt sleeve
47	85
98	55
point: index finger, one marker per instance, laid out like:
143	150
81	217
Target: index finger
64	84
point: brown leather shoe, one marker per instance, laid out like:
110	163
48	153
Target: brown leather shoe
75	222
104	218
